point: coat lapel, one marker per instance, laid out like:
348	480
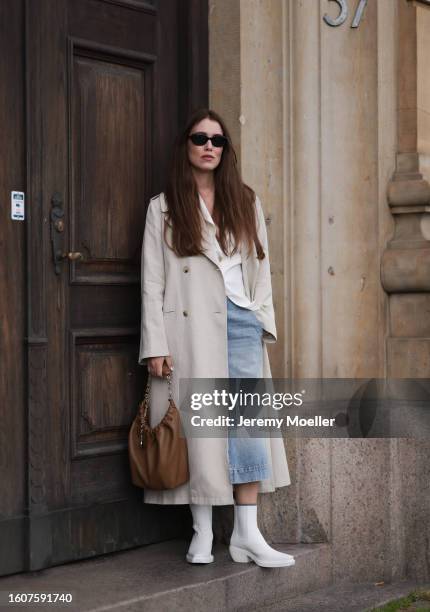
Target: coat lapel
249	263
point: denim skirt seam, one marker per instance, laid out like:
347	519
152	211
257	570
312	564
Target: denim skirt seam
248	460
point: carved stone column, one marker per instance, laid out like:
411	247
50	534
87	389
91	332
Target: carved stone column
405	265
405	272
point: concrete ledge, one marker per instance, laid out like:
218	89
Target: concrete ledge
157	577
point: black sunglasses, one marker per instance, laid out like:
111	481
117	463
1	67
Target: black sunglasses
200	139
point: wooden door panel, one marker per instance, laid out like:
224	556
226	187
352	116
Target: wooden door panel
110	160
110	106
104	391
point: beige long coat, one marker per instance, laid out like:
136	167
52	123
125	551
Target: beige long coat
184	314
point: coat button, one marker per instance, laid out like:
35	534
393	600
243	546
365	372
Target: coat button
185	268
185	313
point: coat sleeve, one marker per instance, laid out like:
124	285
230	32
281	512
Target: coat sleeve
153	341
263	287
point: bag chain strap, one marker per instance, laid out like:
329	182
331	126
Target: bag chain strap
144	413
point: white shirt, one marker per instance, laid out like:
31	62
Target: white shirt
231	268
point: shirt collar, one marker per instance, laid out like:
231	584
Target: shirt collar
206	213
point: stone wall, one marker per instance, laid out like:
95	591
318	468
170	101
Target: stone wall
313	113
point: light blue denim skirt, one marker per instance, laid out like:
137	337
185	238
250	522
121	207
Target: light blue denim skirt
247	456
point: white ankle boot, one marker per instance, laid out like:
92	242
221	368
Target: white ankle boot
201	543
248	544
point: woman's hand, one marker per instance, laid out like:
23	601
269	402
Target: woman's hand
160	366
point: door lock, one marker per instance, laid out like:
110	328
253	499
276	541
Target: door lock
72	255
57	229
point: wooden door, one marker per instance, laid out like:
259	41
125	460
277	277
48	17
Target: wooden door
108	84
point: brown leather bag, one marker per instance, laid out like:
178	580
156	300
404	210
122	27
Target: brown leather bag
158	456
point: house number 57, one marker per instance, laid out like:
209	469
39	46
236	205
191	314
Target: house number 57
343	14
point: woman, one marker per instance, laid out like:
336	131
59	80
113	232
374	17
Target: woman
207	312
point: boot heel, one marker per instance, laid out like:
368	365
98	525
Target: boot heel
238	555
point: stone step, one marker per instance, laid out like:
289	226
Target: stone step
157	578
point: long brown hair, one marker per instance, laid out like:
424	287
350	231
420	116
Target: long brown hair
234	209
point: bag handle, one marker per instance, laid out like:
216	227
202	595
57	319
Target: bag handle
145	403
148	386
